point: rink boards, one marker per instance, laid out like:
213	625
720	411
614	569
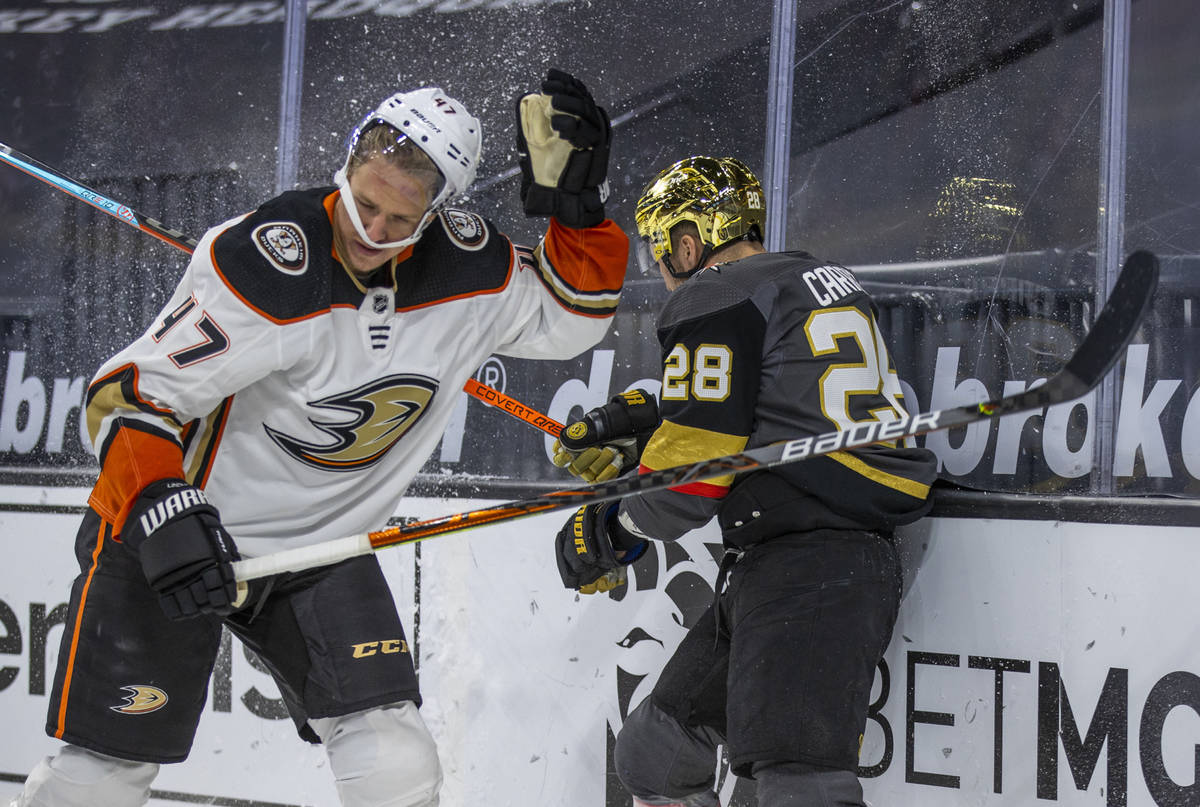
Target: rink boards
1034	661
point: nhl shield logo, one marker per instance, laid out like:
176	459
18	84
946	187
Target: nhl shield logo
465	229
283	244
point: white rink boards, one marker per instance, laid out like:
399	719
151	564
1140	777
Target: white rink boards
1084	634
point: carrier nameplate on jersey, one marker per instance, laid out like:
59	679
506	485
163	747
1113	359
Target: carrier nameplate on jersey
284	245
384	411
466	230
831	283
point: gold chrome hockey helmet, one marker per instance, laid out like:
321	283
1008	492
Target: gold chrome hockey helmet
720	195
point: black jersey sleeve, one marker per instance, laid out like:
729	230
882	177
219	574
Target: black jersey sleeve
712	362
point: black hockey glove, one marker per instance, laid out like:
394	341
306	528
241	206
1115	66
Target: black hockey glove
608	439
587	548
563	140
186	554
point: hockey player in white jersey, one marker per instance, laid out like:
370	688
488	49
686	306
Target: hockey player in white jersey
301	374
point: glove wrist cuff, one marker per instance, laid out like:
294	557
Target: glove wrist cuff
538	200
621	539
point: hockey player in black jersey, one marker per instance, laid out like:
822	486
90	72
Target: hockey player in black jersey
757	347
297	380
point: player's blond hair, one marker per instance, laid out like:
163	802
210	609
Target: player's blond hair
387	142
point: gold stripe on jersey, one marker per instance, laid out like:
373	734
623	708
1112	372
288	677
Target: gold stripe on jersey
118	392
899	483
674	444
206	441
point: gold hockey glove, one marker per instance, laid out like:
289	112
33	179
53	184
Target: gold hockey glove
609	439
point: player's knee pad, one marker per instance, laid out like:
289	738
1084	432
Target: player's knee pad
76	777
793	784
660	761
382	757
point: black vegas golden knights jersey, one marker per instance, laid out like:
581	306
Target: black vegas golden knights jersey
304	402
774	347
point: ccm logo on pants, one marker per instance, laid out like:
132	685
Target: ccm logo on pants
386	646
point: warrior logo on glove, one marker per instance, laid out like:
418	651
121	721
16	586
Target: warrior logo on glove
185	552
173	505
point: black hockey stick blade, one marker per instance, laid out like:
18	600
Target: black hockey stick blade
1104	344
1127	304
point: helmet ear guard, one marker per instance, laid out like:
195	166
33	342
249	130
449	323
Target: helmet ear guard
705	252
720	195
440	127
646	251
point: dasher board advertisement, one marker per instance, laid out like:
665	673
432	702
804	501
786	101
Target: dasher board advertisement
1032	662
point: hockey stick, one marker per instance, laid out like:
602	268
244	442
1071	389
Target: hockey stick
39	170
25	163
1104	344
498	399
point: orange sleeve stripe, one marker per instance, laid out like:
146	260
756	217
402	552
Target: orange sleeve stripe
590	260
63	696
133	460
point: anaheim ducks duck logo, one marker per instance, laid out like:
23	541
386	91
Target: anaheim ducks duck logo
283	244
142	699
466	229
383	412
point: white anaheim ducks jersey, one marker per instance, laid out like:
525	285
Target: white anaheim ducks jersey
304	402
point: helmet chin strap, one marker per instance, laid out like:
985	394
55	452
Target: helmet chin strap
343	184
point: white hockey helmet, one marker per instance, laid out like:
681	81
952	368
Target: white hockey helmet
438	125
